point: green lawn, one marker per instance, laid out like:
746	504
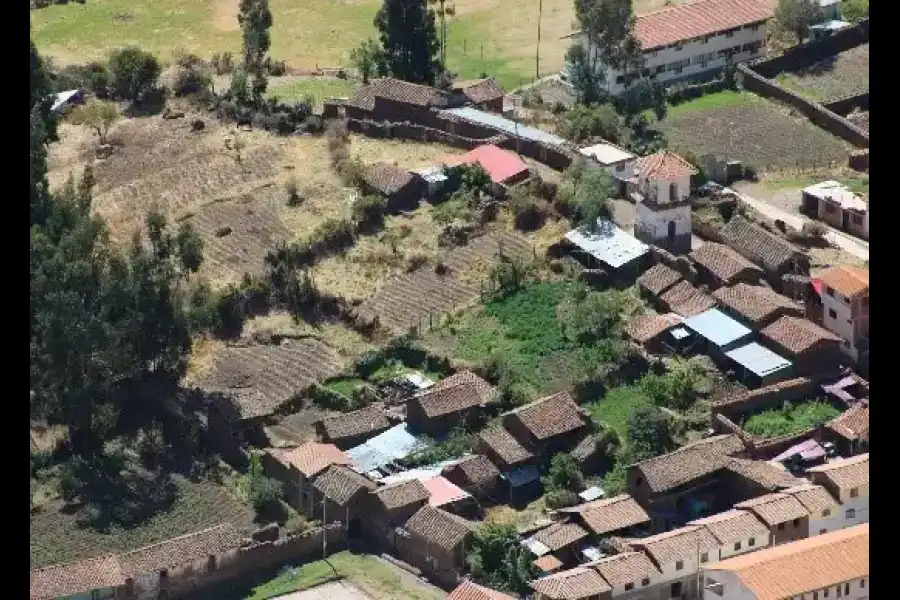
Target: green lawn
375	577
857	182
791	419
317	88
723	99
615	407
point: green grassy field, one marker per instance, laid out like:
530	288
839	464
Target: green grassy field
790	420
294	90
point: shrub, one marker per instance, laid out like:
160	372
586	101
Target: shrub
750	172
528	212
556	499
190	80
276	68
416	261
223	63
134	72
332	236
93	77
814	231
369	362
368	212
584	122
290	189
264	492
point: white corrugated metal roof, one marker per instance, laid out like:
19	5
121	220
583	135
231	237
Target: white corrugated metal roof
606	154
505	125
758	359
836	192
608	244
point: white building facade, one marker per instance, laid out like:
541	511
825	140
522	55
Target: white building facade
662	183
845	306
692	41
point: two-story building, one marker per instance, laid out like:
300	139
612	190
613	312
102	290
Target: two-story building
661	185
679	554
824	511
631	575
838	206
845	306
692	41
784	515
738	532
848	481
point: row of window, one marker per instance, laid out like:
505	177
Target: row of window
728	33
841	590
644	583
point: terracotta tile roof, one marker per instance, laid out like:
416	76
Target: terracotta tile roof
396	91
644	328
725	264
624	568
756	303
400	494
797	335
611	514
846	473
664	165
814	498
686	300
733	526
369	420
853	423
560	535
801	567
658	278
340	484
469	590
478	91
848	281
387	179
439	527
697	19
76	578
678	544
461	391
182	550
311	458
758	245
505	446
585	449
773	509
580	582
702	458
767	475
477	469
550	416
547	563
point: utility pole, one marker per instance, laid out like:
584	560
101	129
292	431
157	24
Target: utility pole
537	58
324	529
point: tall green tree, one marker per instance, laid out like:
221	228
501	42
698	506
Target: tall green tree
42	93
795	16
648	434
497	560
608	26
409	41
134	72
854	11
255	20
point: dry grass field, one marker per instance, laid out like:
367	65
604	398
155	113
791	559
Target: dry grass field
832	78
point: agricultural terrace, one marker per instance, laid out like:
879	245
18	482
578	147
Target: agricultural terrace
497	37
752	129
834	77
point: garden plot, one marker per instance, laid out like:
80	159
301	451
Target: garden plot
834	77
751	129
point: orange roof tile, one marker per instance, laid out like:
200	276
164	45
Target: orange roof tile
579	582
547	563
798	568
848	281
664	165
845	473
697	19
76	578
469	590
311	458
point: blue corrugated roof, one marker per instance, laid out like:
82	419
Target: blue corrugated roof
717	327
383	449
505	125
522	475
757	359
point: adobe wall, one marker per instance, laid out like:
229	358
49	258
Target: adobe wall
764	398
417	133
844	106
806	54
818	114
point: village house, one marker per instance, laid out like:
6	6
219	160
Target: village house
679	554
455	401
774	254
755	305
716	333
719	265
503	450
648	331
686	300
631	575
100	578
784	515
503	167
475	474
484	94
833	565
390	506
339	495
849	431
755	365
661	187
656	280
845	306
469	590
812	349
690	42
561	540
737	531
553	424
580	583
297	467
848	481
824	510
435	541
445	494
397	101
353	428
835	204
620	515
613	159
401	188
608	247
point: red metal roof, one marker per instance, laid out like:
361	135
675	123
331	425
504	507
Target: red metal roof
817	285
441	491
501	165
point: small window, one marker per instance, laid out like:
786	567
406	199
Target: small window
826	592
737	546
781	527
830	208
854	492
815	595
620	79
639	480
679	565
796	523
862	583
839	591
821	531
751	542
826	513
729	34
211	563
629	586
678	47
865	302
646	581
95	594
832	314
857	220
704	557
851	513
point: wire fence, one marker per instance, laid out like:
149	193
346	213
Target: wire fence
802	167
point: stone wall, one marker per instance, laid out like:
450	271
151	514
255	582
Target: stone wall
418	133
804	55
818	114
859	160
844	106
772	396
